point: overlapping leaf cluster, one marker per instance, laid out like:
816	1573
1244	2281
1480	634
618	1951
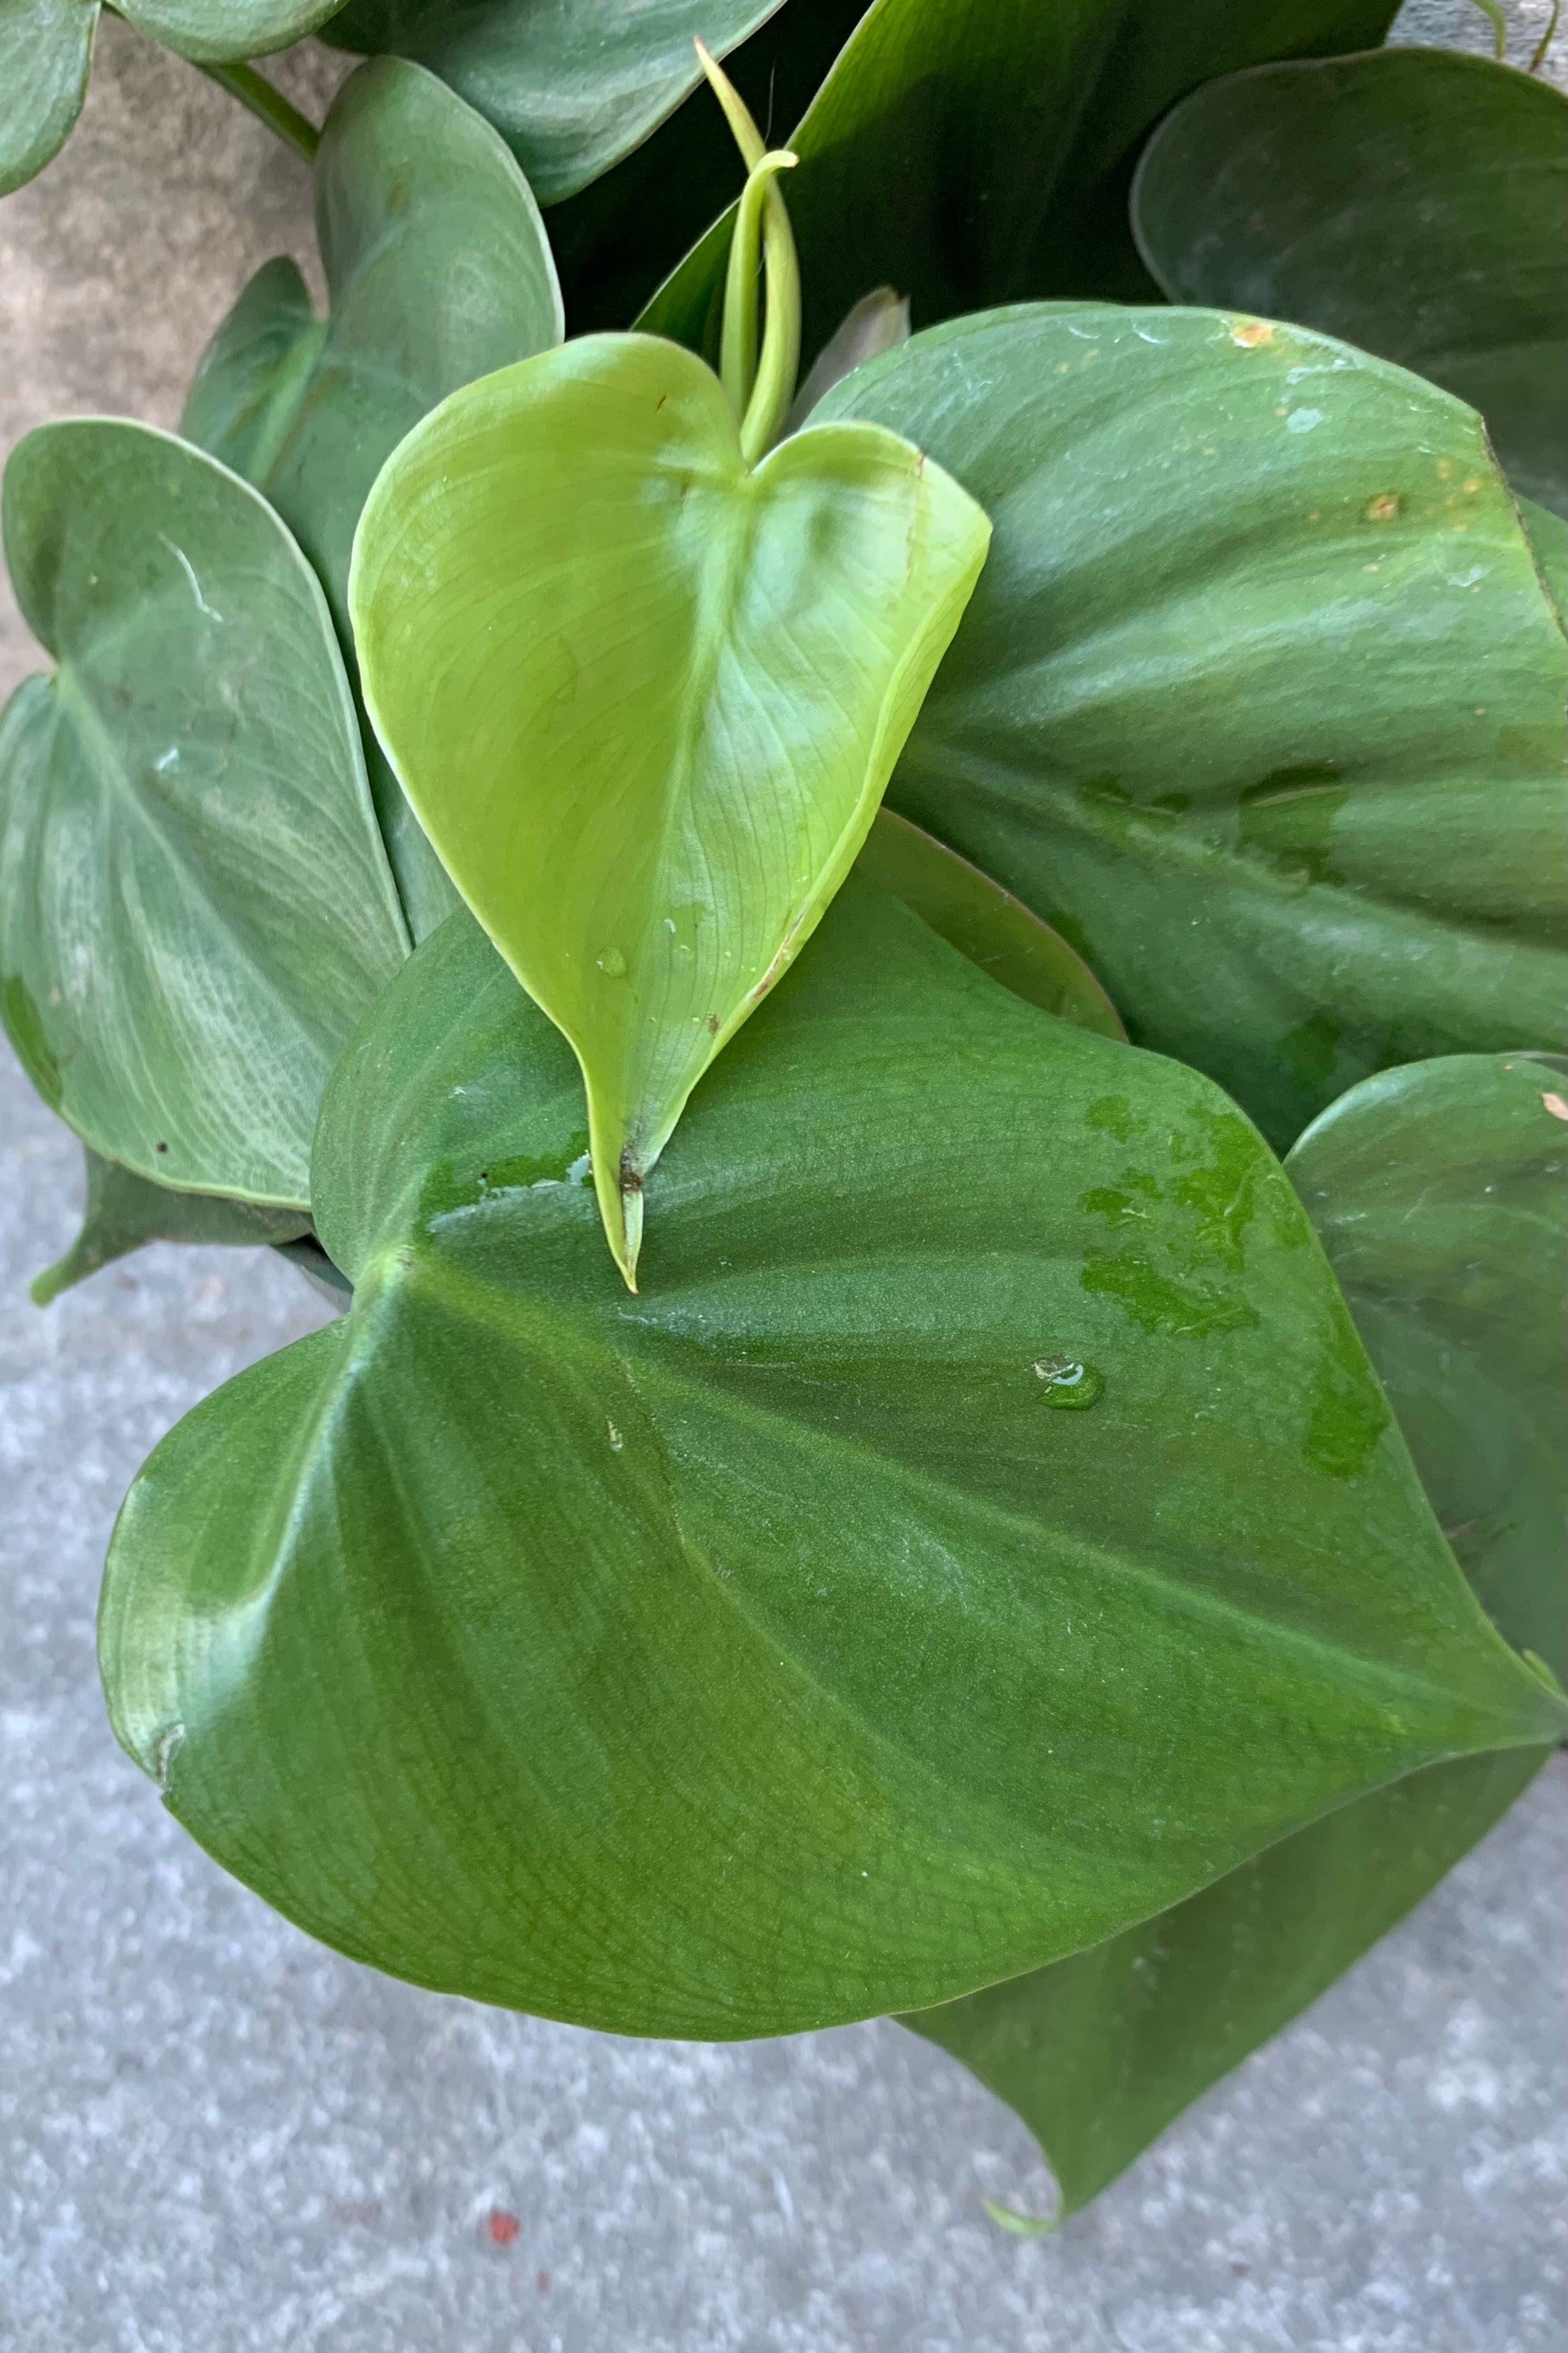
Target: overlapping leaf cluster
1028	1556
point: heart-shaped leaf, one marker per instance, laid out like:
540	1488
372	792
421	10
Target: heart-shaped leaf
123	1211
1413	201
438	271
1259	697
773	1648
970	154
1440	1192
195	906
572	88
1100	2053
644	698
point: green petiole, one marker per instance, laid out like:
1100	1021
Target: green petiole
760	386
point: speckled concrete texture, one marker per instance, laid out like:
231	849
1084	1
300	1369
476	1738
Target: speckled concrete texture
216	2138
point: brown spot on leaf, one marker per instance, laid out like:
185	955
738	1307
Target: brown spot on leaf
631	1174
1382	509
1250	333
712	1025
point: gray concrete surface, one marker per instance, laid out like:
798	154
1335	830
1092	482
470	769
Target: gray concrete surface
216	2138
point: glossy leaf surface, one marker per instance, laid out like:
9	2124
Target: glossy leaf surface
984	923
1441	1193
767	1649
574	85
1413	201
644	699
45	57
1260	697
973	151
438	271
1100	2053
123	1211
194	907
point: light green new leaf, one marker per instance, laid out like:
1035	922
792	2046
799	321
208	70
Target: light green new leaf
571	86
974	152
644	699
123	1211
1413	201
438	271
773	1648
984	923
1441	1191
1100	2053
195	906
1259	697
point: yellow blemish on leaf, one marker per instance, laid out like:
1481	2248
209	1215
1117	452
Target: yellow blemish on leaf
1445	468
1250	333
1556	1106
1474	483
1382	509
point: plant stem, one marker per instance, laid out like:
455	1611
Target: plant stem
257	95
762	390
738	365
780	364
1538	60
266	103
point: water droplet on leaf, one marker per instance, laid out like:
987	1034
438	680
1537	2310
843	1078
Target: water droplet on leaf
1069	1384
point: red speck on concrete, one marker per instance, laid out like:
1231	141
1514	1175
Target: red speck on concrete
502	2227
543	2278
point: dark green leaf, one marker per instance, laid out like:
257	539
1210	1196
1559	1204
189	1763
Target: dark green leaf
1258	699
767	1649
1413	201
438	271
45	57
123	1211
973	152
194	907
1440	1191
1099	2053
218	29
572	88
984	923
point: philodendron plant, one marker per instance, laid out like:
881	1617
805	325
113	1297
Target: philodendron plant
947	1404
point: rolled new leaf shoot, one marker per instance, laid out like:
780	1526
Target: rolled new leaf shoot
644	686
